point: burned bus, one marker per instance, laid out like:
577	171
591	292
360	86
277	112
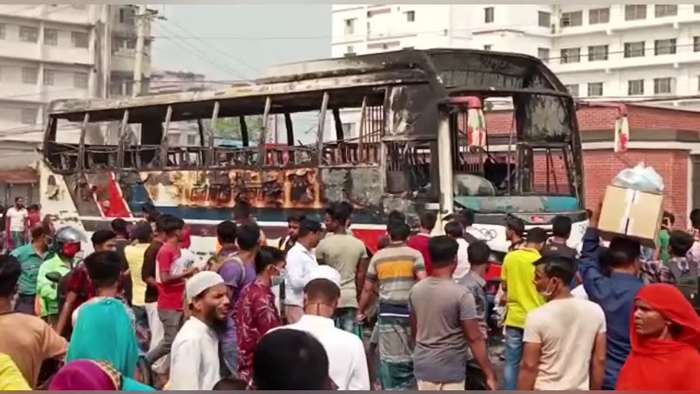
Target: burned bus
421	142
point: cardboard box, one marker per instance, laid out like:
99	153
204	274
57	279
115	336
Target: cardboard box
631	213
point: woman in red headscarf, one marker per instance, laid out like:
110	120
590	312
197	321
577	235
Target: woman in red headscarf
665	336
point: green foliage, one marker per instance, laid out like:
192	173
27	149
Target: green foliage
230	128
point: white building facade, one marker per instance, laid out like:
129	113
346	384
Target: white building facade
627	51
53	52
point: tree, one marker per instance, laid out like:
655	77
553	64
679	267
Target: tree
230	128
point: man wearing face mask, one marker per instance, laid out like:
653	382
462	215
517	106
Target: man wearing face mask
66	244
31	256
256	312
346	353
564	340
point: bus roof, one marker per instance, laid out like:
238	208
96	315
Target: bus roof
296	83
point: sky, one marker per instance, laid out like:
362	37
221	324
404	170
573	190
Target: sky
237	42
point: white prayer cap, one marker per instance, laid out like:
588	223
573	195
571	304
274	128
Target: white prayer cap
201	282
325	272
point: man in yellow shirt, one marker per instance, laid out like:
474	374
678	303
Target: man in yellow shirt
517	280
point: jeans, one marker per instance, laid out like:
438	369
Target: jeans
514	354
17	238
25	304
155	326
172	320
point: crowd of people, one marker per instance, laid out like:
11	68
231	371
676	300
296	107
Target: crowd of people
319	311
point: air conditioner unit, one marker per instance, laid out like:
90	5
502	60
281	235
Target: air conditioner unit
565	22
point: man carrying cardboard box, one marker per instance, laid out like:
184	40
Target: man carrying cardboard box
615	292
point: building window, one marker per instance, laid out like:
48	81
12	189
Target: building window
173	139
598	15
192	140
2	31
410	16
665	47
79	40
696	44
570	55
696	9
30	75
28	34
595	89
50	37
663	85
80	80
597	53
488	47
635	12
544	19
635	87
28	115
571	19
573	89
543	54
350	26
634	49
489	15
349	51
48	77
662	10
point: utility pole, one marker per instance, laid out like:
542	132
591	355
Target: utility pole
140	44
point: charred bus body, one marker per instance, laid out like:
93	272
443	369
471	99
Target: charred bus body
412	151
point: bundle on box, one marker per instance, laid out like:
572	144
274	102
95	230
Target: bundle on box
633	206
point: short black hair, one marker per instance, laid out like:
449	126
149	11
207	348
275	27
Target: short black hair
680	243
226	232
442	250
248	236
242	210
671	217
322	290
695	218
398	230
309	226
169	224
10	270
516	225
348	205
120	226
561	226
396	216
623	252
454	228
557	266
230	384
288	359
99	237
479	253
18	198
467	217
267	255
104	268
536	235
142	232
39	231
428	220
296	218
33	207
339	212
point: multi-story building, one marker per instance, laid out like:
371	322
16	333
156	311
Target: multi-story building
631	51
51	52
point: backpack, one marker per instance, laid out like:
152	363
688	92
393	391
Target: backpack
470	238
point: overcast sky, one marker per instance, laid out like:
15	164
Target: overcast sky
238	41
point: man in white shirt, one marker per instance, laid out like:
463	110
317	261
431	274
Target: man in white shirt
301	260
564	339
194	358
346	353
16	224
455	231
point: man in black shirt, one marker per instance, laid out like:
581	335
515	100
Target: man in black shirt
148	275
561	230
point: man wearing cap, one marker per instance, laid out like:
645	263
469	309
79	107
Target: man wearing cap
346	353
195	363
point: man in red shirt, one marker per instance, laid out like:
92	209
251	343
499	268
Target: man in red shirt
256	312
420	241
171	287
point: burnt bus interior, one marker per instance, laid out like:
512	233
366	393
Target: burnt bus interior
401	98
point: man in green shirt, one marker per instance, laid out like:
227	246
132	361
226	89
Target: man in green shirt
66	244
665	237
31	257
